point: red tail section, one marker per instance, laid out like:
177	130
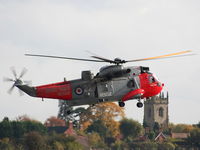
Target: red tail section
61	90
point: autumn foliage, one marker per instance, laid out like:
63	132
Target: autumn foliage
108	113
54	121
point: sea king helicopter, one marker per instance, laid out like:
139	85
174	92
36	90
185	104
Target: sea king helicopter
113	83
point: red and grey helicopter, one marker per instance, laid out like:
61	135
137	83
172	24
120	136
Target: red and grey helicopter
113	83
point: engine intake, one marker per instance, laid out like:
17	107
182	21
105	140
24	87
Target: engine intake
144	69
87	75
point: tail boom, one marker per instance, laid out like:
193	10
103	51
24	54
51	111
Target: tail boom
61	90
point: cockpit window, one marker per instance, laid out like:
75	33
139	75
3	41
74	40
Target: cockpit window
156	78
152	79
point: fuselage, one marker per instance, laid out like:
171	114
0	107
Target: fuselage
112	83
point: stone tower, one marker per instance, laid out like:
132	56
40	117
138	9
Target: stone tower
156	111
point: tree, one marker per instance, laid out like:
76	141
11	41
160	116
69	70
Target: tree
25	118
60	142
54	121
5	144
143	146
130	128
95	140
166	146
106	112
179	128
6	128
120	145
194	138
145	125
18	129
151	135
30	126
198	125
156	127
34	141
73	146
99	127
57	146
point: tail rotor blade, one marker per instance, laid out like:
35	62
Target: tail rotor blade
17	80
11	89
23	73
20	92
14	72
8	80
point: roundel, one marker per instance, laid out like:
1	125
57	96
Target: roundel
79	91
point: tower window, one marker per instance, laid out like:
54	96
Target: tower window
160	113
149	113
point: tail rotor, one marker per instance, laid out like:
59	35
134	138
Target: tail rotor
17	81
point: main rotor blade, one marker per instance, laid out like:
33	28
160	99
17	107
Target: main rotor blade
164	56
64	57
100	57
103	59
23	73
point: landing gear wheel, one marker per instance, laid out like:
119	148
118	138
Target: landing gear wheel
121	104
139	105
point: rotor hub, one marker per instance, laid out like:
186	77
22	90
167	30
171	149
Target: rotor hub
18	82
119	61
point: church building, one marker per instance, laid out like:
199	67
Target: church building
156	111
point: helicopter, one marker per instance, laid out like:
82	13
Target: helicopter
113	83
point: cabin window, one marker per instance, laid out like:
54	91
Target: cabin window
105	88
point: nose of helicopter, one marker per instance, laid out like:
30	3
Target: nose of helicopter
153	90
159	88
160	84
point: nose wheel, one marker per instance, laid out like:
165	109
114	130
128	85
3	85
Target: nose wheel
121	104
139	104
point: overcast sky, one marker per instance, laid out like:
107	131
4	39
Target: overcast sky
129	29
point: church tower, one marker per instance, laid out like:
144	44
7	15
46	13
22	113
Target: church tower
156	111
